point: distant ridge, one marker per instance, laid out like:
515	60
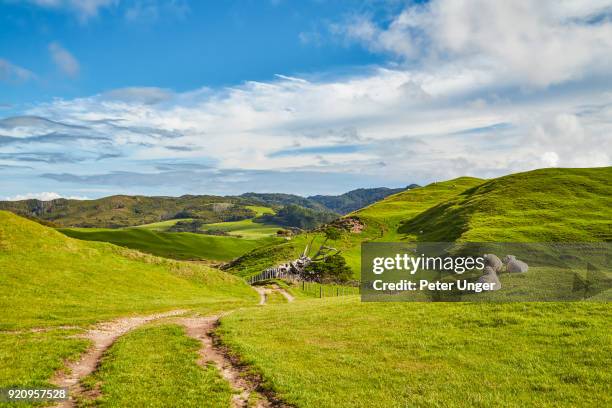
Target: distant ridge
356	199
126	211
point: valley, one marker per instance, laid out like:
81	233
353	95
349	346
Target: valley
294	346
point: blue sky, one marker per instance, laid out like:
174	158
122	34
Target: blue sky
100	97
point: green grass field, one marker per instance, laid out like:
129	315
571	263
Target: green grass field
160	226
49	280
245	235
335	351
340	352
443	354
175	245
247	229
74	282
155	366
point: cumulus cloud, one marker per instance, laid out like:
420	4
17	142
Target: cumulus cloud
469	105
42	196
538	42
64	60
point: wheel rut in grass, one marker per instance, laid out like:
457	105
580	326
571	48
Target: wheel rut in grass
264	292
202	329
103	336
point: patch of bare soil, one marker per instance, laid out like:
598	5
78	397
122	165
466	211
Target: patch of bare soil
264	292
351	224
102	336
287	295
248	388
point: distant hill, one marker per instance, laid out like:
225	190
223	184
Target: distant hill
356	199
340	204
281	200
124	211
127	211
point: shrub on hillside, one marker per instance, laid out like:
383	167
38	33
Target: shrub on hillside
332	270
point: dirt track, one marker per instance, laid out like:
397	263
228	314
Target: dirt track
105	334
201	328
102	336
265	291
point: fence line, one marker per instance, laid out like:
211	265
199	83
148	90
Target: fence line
274	273
315	288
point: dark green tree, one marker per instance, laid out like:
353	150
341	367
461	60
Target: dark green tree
332	270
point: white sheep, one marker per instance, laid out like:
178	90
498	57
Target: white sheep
489	276
493	261
513	265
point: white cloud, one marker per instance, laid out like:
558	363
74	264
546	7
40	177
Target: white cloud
42	196
535	43
409	124
13	73
64	60
471	108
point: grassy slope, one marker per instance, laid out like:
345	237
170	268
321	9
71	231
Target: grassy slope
444	354
161	225
49	279
549	205
381	220
131	377
175	245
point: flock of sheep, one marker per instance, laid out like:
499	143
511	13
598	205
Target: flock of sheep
494	265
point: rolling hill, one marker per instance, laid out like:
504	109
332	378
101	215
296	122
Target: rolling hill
517	354
124	211
178	245
49	279
547	205
380	221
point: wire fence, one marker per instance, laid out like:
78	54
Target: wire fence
322	290
314	289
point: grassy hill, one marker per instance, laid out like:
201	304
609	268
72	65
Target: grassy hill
543	205
243	236
51	286
123	211
445	354
177	245
50	279
547	205
380	221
